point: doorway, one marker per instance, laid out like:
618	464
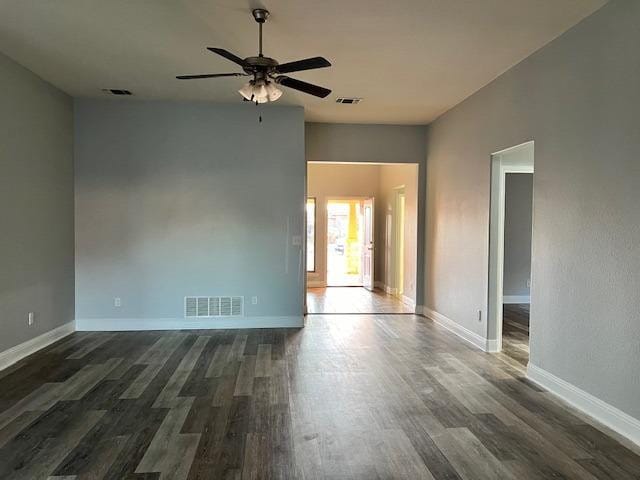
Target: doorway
511	227
349	243
352	264
399	244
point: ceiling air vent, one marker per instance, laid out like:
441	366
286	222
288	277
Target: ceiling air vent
349	100
213	307
115	91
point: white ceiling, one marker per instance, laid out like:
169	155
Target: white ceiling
411	60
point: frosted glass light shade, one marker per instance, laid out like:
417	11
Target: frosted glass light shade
260	91
247	91
273	92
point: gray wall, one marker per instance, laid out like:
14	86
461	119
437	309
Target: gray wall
578	98
517	233
178	199
329	142
325	142
36	205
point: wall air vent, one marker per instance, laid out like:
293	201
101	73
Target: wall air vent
349	100
213	307
115	91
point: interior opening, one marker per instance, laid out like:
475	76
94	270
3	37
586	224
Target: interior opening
516	296
362	224
511	228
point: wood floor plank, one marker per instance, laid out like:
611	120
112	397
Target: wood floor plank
171	452
469	456
54	449
347	397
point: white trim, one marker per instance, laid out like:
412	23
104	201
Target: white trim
493	346
473	338
397	231
386	288
408	301
17	353
607	414
516	299
136	324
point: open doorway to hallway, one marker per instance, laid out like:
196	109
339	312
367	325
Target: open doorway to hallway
362	224
510	266
516	296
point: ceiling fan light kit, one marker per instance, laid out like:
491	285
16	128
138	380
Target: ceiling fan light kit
267	72
260	91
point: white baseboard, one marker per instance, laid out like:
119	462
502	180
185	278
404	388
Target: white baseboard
516	299
409	302
493	346
608	415
473	338
136	324
17	353
386	288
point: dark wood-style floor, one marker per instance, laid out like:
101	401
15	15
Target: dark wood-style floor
348	397
515	332
353	300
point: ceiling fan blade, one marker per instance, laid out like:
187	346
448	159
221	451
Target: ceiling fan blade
306	64
303	86
210	75
228	55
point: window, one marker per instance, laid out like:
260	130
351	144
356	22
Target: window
311	234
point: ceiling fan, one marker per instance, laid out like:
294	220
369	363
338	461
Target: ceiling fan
267	72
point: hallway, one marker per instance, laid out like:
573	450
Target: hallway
515	332
353	300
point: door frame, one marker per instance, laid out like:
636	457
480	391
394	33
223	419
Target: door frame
371	247
397	228
517	159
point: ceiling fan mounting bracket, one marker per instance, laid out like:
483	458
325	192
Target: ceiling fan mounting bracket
260	15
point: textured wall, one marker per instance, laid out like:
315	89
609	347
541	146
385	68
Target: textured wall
328	142
517	233
578	99
36	205
178	199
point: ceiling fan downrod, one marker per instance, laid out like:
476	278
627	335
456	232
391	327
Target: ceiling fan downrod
260	15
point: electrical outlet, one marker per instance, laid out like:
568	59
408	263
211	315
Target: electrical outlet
117	302
479	315
31	318
296	240
254	300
